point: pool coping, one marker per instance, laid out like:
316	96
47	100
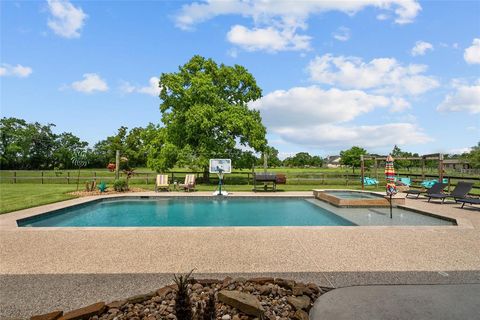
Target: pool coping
8	221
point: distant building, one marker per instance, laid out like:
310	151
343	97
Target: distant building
333	162
456	164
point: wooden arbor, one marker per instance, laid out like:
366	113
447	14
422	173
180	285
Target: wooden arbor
435	156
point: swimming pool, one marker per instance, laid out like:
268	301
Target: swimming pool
214	212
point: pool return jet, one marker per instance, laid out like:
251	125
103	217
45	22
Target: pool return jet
220	167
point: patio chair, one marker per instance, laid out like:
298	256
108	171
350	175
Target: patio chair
460	191
429	183
406	181
367	181
189	184
435	189
161	183
471	201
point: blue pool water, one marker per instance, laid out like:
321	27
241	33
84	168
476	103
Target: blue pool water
190	212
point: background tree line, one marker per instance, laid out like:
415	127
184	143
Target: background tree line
34	146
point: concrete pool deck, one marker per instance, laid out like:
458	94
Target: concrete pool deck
46	268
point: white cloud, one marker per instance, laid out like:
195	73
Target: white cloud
472	53
152	89
15	71
342	34
91	82
313	105
286	10
276	22
343	136
320	118
384	75
269	39
421	48
66	20
459	150
399	104
465	98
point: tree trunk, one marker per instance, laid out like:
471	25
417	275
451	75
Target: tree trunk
353	170
206	175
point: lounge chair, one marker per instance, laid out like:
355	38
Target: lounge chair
435	189
367	181
429	183
469	201
161	183
460	191
405	181
189	184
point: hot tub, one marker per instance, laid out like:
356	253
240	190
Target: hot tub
356	198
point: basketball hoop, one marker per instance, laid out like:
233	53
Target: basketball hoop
220	167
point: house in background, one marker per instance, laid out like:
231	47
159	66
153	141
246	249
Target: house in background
333	162
456	164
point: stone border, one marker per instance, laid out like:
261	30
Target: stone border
236	299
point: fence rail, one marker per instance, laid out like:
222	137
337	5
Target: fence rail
236	177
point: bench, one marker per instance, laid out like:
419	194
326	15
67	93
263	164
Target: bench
268	178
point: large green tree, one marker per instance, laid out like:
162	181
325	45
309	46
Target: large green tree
303	159
205	114
473	156
351	157
272	157
130	144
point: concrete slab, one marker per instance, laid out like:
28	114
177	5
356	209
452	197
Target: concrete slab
43	264
399	302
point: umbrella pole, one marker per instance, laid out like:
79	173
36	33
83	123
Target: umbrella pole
391	206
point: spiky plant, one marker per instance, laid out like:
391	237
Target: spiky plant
183	306
209	312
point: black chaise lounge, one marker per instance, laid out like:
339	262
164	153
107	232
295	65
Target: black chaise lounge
460	191
469	201
436	188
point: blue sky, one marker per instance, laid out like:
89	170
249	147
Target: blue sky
333	74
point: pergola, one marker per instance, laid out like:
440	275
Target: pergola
435	156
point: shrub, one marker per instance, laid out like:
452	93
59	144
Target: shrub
183	306
120	185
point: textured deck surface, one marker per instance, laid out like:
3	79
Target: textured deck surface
45	268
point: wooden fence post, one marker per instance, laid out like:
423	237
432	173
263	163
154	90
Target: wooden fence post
147	177
68	177
14	176
95	176
42	177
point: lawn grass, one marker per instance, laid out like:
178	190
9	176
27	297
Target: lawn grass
21	196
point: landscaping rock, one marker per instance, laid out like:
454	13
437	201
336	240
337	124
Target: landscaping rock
162	292
257	298
208	282
261	280
84	313
141	297
48	316
300	315
116	304
299	303
287	284
244	302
